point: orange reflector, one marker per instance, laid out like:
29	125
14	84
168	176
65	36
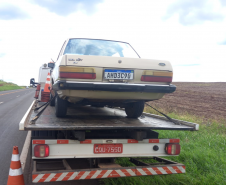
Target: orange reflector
163	73
132	141
38	141
62	141
174	140
153	140
88	141
157	73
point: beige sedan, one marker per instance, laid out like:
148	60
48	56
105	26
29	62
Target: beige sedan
107	73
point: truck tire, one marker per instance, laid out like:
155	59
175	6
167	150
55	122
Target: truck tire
60	107
52	103
134	110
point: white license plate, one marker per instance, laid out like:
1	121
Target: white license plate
118	74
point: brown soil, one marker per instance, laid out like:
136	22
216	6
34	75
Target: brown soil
207	100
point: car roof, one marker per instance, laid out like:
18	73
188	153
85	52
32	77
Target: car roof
96	39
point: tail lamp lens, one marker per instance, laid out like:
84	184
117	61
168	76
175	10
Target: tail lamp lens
155	79
156	76
78	75
77	72
41	151
172	148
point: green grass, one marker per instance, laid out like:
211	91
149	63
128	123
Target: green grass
203	152
4	86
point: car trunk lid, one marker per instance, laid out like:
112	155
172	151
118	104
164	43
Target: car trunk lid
117	62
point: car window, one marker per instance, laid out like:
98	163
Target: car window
99	48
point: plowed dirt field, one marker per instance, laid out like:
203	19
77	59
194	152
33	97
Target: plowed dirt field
207	100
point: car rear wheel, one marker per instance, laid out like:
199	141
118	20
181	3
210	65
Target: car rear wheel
134	110
60	107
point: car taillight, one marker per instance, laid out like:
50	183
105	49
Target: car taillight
78	75
41	151
77	72
156	76
172	148
155	79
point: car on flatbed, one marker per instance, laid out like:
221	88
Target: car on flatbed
107	73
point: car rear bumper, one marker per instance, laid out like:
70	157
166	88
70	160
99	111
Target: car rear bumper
117	87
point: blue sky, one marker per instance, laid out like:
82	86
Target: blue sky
65	8
12	12
190	34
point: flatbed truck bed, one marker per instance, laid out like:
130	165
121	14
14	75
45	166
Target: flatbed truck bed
92	118
98	136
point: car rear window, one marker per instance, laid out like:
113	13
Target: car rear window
99	48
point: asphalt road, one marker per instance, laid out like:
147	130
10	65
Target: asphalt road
13	106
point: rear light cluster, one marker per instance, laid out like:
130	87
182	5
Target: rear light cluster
41	151
172	148
77	73
157	76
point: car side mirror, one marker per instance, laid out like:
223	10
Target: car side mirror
51	65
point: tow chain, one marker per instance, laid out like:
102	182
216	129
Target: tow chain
37	108
169	118
39	113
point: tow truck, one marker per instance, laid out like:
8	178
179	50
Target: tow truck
97	136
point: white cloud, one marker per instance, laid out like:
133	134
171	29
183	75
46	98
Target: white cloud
29	43
192	12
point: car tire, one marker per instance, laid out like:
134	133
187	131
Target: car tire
60	107
134	110
52	101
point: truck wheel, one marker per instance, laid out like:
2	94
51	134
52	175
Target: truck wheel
134	110
52	103
60	107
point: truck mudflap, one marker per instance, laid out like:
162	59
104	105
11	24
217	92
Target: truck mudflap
103	170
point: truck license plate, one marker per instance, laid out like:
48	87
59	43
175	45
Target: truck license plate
118	74
107	148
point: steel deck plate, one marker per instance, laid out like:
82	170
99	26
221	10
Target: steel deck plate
92	118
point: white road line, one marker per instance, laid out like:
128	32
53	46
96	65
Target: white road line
1	102
18	95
